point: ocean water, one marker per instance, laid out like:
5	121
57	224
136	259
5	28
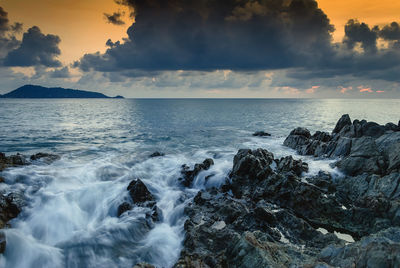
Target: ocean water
70	219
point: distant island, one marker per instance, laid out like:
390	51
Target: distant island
39	92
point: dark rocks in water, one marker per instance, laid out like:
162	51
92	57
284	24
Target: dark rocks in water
10	206
2	179
190	175
343	121
20	160
139	192
123	208
46	157
156	154
288	164
3	242
142	197
261	134
11	161
143	265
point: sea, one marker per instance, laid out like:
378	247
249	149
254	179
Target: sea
70	218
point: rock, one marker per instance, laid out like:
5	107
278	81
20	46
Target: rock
301	132
123	208
372	129
47	158
261	134
340	148
3	242
139	192
378	250
10	206
190	175
343	121
389	145
2	179
392	127
11	161
321	136
288	164
143	265
364	157
156	154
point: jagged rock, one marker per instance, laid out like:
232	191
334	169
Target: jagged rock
139	192
156	154
343	121
190	175
261	134
392	127
11	161
378	250
288	164
321	136
10	206
364	157
389	145
47	158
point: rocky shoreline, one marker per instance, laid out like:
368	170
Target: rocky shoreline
268	215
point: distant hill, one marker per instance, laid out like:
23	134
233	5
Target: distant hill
39	92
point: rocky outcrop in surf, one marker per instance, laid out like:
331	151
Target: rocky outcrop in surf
270	213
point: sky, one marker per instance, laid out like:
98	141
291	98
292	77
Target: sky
205	48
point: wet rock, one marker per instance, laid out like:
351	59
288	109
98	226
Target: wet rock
392	127
3	242
389	145
139	192
288	164
190	175
2	179
46	157
11	161
156	154
364	157
378	250
321	136
123	208
261	134
10	206
343	121
143	265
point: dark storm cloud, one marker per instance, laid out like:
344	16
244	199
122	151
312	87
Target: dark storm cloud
7	38
356	32
209	35
36	49
114	18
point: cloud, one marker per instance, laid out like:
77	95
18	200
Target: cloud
343	90
365	89
114	18
209	35
380	91
356	32
60	73
8	40
312	89
36	49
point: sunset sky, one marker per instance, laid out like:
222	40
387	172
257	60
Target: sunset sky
242	48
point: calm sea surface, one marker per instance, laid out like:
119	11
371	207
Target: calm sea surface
70	219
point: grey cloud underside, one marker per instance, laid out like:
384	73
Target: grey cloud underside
8	41
209	35
35	49
246	35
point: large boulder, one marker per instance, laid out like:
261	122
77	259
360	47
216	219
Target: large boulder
389	145
343	121
365	157
139	192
